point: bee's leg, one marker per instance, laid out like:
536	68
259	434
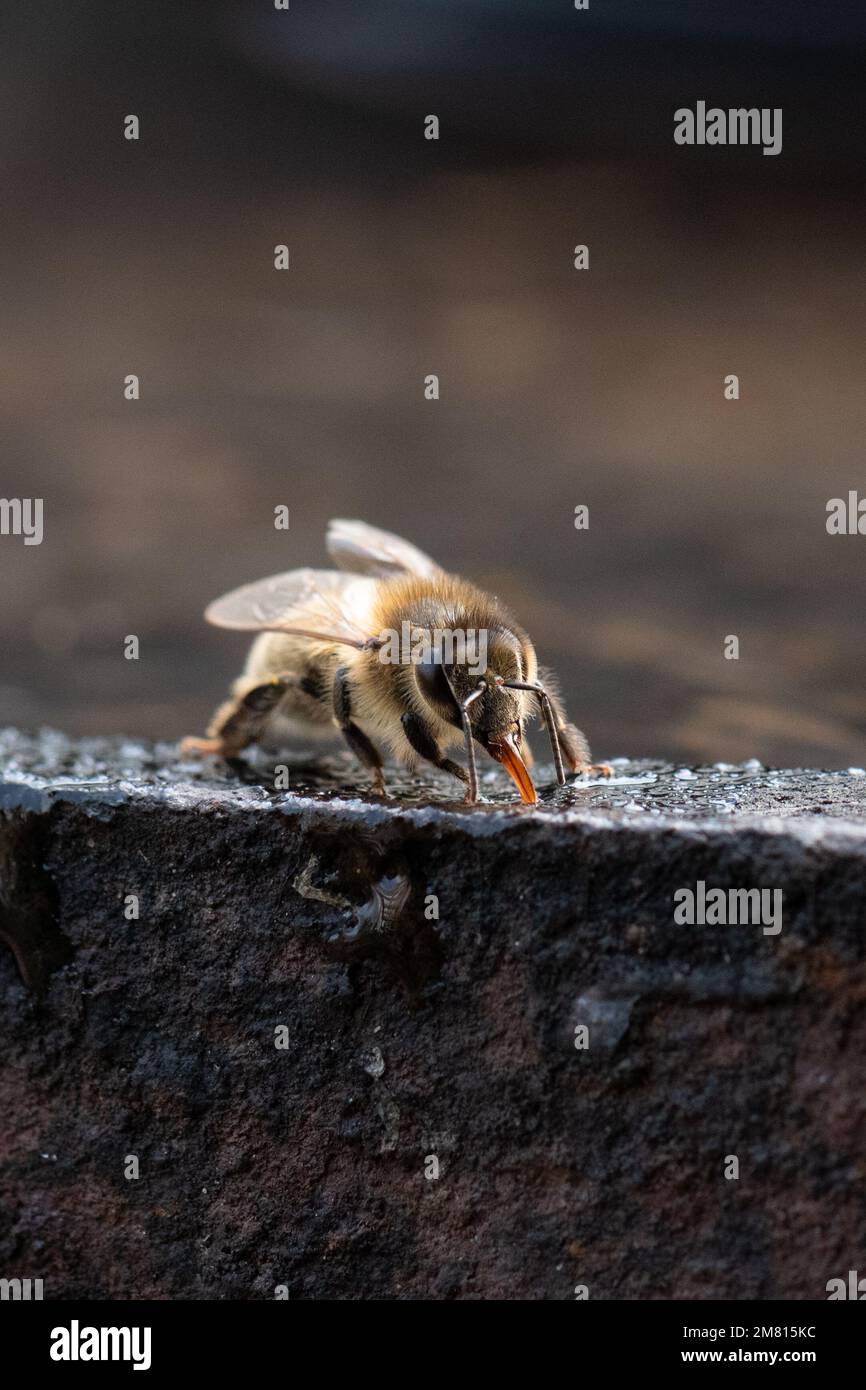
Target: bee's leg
238	722
425	745
573	741
472	778
358	741
566	740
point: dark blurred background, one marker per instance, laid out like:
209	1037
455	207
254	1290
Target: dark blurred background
454	257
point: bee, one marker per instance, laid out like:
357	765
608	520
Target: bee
323	659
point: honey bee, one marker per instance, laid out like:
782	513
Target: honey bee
325	656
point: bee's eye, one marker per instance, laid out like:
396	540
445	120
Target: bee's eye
434	683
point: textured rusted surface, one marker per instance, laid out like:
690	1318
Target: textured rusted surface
409	1037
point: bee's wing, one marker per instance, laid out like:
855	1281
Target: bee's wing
320	604
355	546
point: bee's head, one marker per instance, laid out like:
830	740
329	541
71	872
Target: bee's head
478	686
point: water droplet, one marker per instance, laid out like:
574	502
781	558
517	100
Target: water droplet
373	1062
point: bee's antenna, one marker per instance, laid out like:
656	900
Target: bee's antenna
467	734
549	719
